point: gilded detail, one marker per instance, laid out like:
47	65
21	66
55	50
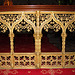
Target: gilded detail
52	25
3	27
23	25
37	20
52	72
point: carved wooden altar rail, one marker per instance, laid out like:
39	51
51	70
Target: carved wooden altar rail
37	17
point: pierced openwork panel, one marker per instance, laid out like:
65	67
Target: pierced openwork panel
10	18
64	18
24	61
31	17
71	27
48	60
3	27
70	60
23	25
44	17
5	61
52	25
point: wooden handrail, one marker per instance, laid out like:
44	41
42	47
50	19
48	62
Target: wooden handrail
38	7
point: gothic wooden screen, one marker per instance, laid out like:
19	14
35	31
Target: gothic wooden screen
37	17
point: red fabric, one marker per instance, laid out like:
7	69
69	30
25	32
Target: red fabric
25	43
38	71
48	47
4	43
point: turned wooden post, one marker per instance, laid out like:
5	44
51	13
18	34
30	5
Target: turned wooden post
11	35
64	35
37	49
11	42
37	36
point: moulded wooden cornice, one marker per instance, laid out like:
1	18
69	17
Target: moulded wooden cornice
38	7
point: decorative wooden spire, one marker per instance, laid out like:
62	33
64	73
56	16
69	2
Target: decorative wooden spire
8	2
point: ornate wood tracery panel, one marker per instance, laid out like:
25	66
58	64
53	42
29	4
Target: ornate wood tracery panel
12	19
24	60
62	19
38	20
52	20
5	61
51	60
70	59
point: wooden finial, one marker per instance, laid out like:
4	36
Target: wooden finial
8	2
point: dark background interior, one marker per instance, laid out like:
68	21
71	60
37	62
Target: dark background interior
40	2
70	40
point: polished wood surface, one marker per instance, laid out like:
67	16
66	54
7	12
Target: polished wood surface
38	7
37	17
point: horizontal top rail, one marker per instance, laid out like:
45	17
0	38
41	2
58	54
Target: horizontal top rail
38	7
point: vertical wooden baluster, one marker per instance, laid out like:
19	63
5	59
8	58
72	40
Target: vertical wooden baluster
11	35
37	42
64	35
